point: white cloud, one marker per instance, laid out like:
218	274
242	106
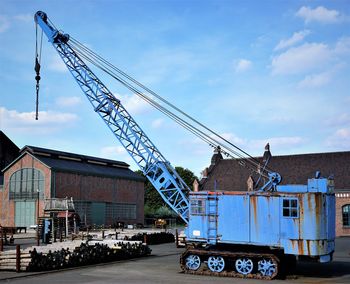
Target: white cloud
168	64
342	46
25	121
68	101
342	120
113	151
304	58
24	17
339	139
315	80
117	153
319	14
243	65
278	144
254	147
285	142
234	139
157	123
295	38
4	23
133	104
56	64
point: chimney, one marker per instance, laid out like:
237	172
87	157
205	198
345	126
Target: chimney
195	185
250	183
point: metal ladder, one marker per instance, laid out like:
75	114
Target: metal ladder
212	213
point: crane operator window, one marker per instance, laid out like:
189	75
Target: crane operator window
198	206
290	208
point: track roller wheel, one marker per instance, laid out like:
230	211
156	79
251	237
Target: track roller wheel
244	265
193	262
267	267
216	263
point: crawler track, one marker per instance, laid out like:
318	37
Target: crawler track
232	264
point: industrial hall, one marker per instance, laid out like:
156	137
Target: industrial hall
36	181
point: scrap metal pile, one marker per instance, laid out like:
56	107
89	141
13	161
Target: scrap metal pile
71	254
100	249
86	254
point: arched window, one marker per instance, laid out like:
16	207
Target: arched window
25	184
346	215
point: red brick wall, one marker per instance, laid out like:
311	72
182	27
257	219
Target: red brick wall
341	200
100	189
294	169
7	213
132	192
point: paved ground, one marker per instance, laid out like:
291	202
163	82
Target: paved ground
163	267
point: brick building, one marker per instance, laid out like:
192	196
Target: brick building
104	191
229	175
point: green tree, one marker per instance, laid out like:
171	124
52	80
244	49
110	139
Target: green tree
187	175
154	203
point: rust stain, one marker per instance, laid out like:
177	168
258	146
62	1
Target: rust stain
308	247
318	209
293	244
300	247
253	200
309	201
300	220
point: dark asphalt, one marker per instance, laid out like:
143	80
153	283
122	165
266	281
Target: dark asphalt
163	267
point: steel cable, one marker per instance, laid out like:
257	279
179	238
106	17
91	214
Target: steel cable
118	75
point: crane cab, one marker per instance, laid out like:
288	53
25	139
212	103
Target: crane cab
295	219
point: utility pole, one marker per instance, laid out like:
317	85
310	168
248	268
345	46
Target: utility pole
66	217
37	219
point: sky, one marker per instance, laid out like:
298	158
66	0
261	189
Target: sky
253	71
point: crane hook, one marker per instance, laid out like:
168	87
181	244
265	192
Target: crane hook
37	78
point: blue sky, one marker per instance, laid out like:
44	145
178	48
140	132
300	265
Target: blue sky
254	71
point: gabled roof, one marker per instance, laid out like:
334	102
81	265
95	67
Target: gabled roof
55	154
8	151
228	175
82	164
4	138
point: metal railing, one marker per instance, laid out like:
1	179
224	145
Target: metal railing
59	204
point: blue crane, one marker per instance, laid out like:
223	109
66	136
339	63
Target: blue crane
152	163
241	234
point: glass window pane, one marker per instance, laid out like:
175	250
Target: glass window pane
23	184
18	186
294	213
24	174
36	173
29	186
294	203
285	212
346	215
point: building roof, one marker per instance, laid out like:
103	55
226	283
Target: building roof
227	174
8	150
55	154
82	164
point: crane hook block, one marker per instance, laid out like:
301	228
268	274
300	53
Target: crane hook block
37	70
